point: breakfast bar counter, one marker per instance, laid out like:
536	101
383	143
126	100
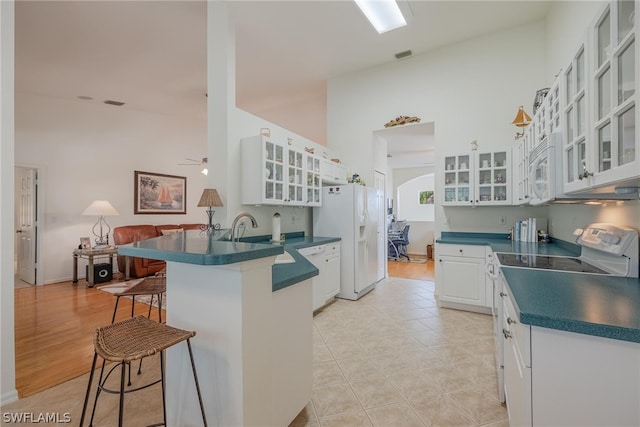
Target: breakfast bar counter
253	343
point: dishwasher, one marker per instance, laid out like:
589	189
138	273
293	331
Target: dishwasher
316	256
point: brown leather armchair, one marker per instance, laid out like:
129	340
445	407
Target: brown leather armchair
142	267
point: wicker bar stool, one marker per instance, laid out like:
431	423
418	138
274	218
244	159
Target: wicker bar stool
133	339
155	286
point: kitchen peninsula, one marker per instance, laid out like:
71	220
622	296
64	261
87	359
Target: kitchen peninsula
253	348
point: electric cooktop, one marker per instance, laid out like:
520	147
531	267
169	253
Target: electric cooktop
558	263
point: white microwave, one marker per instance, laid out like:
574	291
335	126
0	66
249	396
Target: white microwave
546	178
545	170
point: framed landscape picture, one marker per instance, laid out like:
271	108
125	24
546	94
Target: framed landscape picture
156	193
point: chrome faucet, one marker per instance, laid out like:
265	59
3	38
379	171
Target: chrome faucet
237	219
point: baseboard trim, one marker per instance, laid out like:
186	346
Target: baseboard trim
9	397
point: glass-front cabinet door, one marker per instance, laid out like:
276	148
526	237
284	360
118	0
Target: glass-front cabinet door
521	171
313	180
295	175
457	180
613	109
274	172
493	173
577	160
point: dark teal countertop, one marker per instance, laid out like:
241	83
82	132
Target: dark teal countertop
284	275
196	247
604	306
599	305
501	243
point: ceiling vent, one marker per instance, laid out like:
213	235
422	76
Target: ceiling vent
116	103
404	54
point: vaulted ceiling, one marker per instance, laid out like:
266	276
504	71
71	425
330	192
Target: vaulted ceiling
152	54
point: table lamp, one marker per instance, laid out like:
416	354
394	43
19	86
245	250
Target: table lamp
101	208
210	198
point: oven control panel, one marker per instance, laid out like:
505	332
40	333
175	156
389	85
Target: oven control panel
610	238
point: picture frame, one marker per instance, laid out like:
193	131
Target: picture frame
156	193
426	198
85	243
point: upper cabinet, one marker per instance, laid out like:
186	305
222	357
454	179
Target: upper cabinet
333	173
601	146
577	162
613	113
457	180
274	173
478	178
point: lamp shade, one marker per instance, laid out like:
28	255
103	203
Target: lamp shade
100	208
522	118
210	197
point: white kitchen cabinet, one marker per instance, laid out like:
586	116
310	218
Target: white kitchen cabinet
517	366
458	185
313	168
602	150
521	173
478	178
326	285
333	173
615	59
263	171
277	174
461	277
332	267
577	140
554	377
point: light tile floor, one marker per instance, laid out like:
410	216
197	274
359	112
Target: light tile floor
393	358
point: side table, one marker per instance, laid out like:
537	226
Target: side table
89	254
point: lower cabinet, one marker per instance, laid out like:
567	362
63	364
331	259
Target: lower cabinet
326	285
559	378
332	271
461	277
517	365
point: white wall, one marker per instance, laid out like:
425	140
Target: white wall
471	91
8	391
88	151
566	26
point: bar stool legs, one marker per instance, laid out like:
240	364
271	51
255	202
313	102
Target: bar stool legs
132	339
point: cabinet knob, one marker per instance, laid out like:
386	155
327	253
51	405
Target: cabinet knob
503	294
440	260
510	321
460	250
506	334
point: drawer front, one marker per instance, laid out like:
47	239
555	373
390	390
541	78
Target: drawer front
467	251
332	248
520	333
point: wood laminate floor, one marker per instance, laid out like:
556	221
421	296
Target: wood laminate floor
54	327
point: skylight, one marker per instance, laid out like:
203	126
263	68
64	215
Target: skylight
384	15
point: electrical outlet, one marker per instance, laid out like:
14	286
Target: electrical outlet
502	220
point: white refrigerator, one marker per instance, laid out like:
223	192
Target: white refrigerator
350	212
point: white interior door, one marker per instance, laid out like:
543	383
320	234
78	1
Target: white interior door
26	230
379	184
